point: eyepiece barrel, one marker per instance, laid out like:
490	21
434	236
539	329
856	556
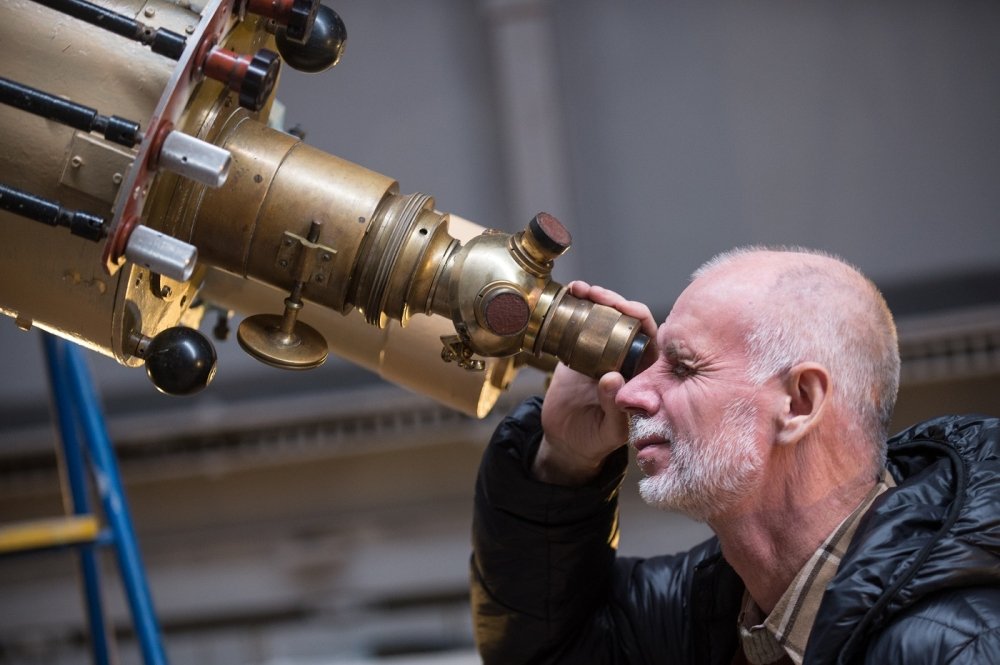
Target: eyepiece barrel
630	366
590	338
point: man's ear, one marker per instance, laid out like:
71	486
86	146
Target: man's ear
807	386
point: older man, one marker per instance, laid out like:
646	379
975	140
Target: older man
765	415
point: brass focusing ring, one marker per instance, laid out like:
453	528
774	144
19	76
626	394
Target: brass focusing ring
398	233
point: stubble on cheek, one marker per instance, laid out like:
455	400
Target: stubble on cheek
705	475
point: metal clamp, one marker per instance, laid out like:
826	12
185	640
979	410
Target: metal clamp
456	350
307	261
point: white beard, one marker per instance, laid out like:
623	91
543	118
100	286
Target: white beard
704	476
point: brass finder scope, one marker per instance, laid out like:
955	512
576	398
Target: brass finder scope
173	186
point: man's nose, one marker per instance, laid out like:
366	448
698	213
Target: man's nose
639	395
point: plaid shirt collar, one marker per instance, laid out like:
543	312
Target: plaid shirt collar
785	631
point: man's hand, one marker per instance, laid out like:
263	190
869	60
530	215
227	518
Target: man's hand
582	425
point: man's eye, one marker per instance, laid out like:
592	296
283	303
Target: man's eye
682	371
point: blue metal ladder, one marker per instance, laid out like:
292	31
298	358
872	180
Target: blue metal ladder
85	444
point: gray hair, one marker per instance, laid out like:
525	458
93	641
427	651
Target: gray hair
825	310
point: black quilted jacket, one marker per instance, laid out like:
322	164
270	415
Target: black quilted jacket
919	584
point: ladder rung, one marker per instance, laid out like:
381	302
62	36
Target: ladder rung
49	532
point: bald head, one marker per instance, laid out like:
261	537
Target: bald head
799	306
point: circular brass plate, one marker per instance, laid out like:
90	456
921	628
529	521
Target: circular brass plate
260	335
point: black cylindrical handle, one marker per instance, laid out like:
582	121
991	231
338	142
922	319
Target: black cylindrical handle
167	43
118	130
102	17
162	41
80	223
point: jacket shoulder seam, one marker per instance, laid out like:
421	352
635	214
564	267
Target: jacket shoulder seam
973	639
916	617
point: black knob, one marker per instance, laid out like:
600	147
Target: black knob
180	361
321	50
296	16
301	18
259	80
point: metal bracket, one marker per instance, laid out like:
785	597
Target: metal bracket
305	260
456	350
95	167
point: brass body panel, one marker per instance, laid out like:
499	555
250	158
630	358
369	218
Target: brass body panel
47	277
278	184
409	357
387	255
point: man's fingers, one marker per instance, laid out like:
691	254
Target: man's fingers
578	288
641	312
632	308
603	296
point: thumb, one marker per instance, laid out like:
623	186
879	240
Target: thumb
615	419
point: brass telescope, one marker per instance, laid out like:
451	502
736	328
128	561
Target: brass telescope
153	139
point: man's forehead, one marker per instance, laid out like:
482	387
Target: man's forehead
728	291
677	340
699	321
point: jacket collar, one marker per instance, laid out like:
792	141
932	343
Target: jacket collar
927	534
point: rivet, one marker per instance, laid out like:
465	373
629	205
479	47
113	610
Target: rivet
76	162
117	178
149	12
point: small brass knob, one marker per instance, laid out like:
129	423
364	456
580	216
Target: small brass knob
549	234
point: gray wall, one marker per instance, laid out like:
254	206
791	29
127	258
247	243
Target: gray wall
866	129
